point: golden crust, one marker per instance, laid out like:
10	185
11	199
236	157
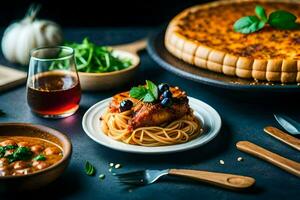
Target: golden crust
283	70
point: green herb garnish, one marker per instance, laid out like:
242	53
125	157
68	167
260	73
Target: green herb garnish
9	147
89	169
148	93
39	157
21	153
279	19
93	58
2	152
5	148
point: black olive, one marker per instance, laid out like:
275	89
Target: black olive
125	105
166	102
163	87
167	94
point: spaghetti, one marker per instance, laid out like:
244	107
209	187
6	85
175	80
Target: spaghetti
117	126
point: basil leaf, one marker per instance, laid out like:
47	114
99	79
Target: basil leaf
261	13
9	147
248	24
283	20
21	153
152	88
2	152
89	169
138	92
39	157
149	98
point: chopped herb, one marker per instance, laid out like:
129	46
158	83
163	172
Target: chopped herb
21	153
39	157
2	152
9	147
89	169
148	93
279	19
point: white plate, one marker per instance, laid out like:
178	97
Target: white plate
208	116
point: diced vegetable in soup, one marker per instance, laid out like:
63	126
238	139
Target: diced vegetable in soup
23	155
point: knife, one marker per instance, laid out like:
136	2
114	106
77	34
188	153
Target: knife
288	124
283	137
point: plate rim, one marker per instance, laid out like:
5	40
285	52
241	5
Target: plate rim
213	134
155	55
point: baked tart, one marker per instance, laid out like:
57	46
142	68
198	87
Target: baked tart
203	35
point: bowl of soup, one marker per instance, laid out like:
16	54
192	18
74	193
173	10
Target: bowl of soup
31	156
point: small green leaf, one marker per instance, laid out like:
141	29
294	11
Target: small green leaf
152	88
9	147
248	24
89	169
39	157
283	20
149	98
2	152
261	13
138	92
21	153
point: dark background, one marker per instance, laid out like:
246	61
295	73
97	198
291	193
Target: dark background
99	13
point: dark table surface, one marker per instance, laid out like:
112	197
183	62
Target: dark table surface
243	119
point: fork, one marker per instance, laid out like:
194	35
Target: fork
145	177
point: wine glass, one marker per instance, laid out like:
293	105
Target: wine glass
53	88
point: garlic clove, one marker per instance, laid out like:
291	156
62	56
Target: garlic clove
9	42
53	34
39	34
24	45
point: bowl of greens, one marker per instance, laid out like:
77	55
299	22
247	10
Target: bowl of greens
102	67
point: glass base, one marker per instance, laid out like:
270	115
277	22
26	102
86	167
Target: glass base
57	116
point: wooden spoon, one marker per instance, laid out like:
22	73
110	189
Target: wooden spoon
277	160
283	137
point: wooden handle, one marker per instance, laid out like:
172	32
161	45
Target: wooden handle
284	163
229	181
284	137
133	47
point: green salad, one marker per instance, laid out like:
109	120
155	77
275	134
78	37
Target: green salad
94	58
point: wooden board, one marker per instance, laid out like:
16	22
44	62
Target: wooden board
10	77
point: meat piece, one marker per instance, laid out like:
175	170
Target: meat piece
153	114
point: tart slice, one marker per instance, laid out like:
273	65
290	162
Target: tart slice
203	35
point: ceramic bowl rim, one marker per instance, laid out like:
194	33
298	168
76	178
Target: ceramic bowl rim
60	136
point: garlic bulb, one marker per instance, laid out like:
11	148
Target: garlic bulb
21	37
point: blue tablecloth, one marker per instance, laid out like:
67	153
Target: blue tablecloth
243	119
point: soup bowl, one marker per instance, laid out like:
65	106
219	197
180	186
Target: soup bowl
42	177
